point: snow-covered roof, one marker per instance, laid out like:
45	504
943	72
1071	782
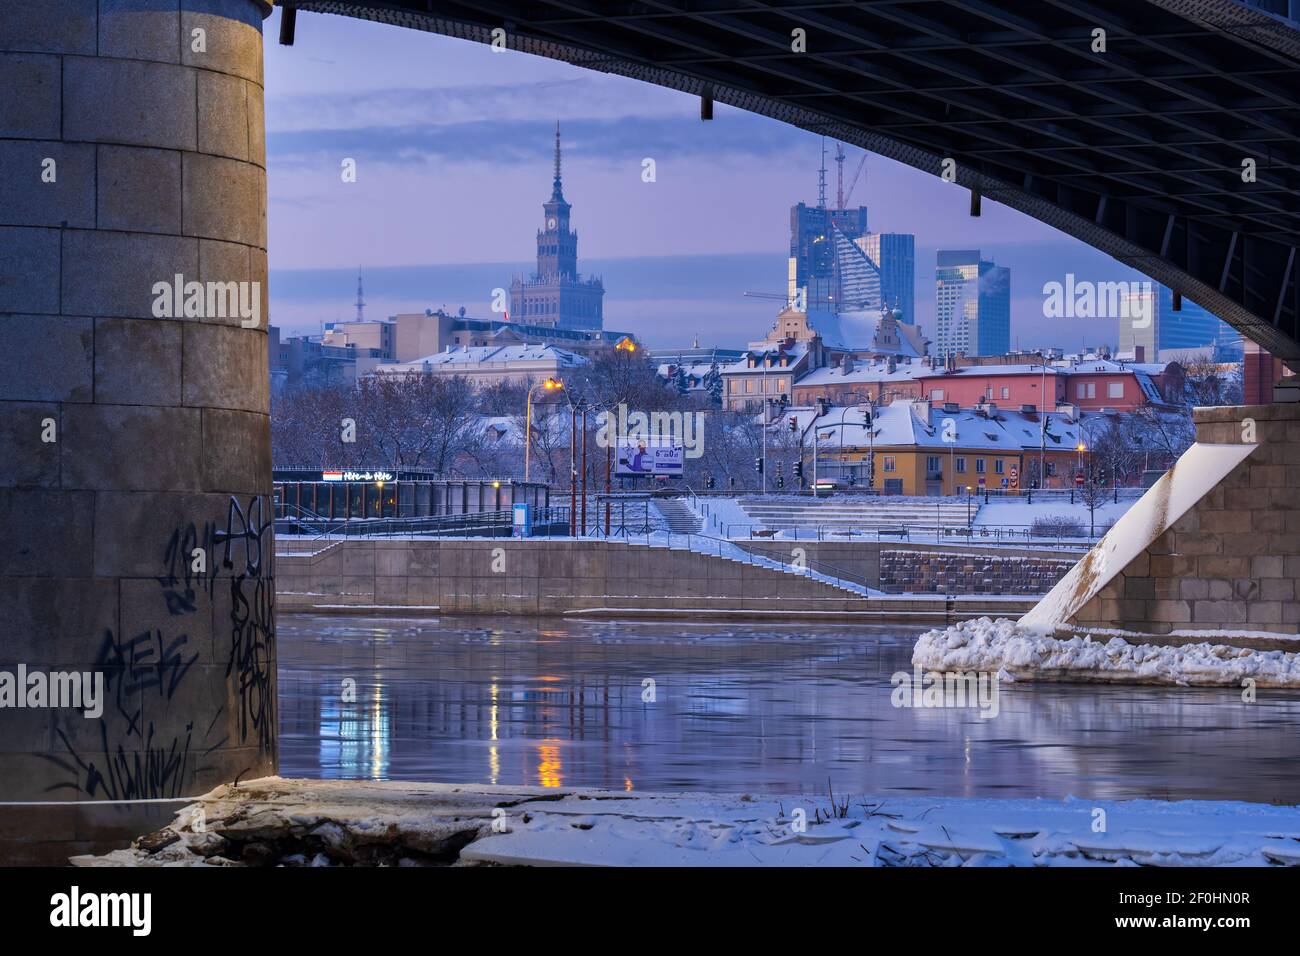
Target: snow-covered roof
1112	366
914	423
866	372
976	371
468	356
761	350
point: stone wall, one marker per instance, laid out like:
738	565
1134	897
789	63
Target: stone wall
539	576
132	150
928	569
1231	562
947	572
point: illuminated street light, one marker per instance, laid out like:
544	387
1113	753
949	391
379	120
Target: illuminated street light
551	385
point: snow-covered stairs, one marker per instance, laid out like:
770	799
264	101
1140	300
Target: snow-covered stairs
864	515
678	516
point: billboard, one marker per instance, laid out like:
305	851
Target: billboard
644	459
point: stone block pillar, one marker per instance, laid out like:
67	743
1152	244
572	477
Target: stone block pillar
135	521
1231	562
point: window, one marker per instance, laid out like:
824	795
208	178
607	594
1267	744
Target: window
889	463
961	466
1115	390
780	385
936	394
1006	392
988	392
999	467
749	386
979	466
1087	390
932	464
1051	469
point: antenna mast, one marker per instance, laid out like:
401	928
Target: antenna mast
361	302
839	176
821	179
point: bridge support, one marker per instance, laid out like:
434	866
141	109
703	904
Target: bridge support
1213	546
135	532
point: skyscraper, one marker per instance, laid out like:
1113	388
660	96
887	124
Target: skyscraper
894	255
972	304
1190	328
556	295
813	251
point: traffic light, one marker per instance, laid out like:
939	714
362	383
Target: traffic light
758	465
794	424
708	481
797	469
780	480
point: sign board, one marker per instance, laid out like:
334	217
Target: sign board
1015	477
648	460
521	524
357	476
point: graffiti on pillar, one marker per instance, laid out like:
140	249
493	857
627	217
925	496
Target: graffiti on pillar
137	751
133	758
181	584
249	555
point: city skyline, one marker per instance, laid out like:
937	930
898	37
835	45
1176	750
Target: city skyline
449	133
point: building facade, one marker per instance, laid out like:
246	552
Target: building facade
972	304
894	255
1162	329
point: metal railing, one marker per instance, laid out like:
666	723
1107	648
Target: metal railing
485	524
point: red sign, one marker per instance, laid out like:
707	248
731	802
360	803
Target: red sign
1078	479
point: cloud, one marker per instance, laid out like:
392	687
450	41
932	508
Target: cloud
616	139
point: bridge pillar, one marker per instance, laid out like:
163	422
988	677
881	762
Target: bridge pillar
135	537
1213	546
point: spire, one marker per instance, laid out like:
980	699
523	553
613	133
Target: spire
557	192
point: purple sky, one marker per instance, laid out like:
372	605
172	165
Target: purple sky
453	144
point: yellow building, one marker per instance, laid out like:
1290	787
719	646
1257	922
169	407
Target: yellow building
924	450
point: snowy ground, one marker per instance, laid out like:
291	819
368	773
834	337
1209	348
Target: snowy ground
1004	647
331	823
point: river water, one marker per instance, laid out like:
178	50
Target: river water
740	707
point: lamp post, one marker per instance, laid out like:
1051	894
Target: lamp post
624	347
968	491
551	385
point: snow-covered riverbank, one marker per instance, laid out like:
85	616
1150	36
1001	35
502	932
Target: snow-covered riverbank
331	823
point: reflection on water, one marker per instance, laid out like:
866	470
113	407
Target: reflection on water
741	707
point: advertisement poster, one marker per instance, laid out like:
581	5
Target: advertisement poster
647	460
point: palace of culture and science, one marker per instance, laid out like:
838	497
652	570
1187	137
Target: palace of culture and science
556	295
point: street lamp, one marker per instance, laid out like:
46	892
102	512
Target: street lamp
551	385
968	491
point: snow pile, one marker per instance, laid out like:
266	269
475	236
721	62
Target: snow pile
1003	645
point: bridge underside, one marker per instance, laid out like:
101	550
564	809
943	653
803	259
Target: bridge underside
1137	151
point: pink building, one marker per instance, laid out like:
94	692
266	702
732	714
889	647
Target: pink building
1006	385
